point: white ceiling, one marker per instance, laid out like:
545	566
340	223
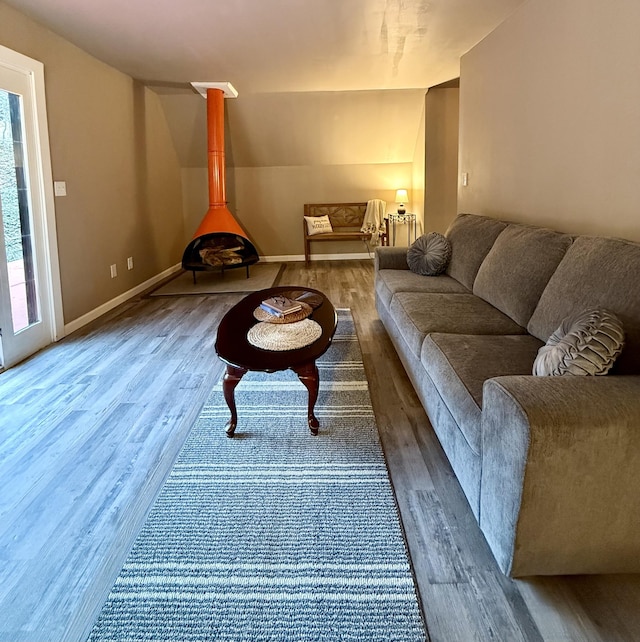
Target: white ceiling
277	45
292	61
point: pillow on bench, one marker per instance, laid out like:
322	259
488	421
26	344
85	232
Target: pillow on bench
318	225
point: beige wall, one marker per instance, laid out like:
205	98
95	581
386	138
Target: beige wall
268	201
111	144
287	149
441	166
550	127
418	173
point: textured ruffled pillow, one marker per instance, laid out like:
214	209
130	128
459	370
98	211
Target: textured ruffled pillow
318	225
587	344
429	255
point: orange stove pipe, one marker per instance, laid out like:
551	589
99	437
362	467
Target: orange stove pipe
218	219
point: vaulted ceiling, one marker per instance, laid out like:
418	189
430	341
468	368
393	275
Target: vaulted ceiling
278	52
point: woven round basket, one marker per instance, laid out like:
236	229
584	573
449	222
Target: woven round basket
284	336
263	315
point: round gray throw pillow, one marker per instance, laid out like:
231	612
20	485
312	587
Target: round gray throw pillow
429	255
587	344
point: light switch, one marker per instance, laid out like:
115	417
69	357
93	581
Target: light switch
465	179
60	188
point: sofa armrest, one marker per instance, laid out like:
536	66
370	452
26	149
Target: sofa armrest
391	258
560	490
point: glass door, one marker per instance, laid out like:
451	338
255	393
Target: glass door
25	301
16	218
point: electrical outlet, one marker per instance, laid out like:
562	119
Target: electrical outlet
114	271
60	188
130	263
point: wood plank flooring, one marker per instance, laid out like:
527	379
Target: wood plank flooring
90	427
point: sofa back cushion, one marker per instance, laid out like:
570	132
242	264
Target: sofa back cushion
596	272
518	267
471	237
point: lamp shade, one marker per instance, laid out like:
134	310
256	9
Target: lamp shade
402	196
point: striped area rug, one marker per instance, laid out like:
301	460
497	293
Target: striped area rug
274	535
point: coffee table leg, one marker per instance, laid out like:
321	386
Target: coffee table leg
229	382
308	374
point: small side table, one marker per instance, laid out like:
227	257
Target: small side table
409	219
384	234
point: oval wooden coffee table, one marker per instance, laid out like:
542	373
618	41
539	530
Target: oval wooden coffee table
240	356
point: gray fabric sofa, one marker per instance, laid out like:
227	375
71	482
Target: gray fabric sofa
549	465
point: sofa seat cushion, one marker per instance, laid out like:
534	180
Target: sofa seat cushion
459	364
518	268
389	282
418	314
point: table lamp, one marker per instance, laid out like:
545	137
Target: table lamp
401	198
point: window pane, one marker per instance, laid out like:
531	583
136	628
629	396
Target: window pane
16	219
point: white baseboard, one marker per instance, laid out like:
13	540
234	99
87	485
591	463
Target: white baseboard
316	257
76	324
